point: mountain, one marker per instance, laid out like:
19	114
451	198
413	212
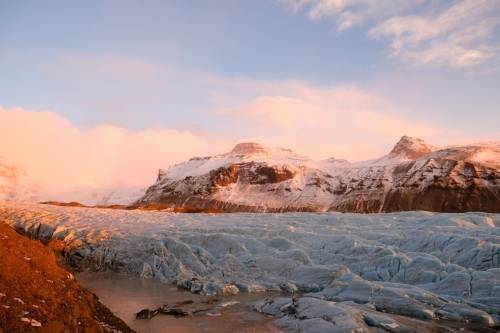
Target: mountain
95	196
14	183
254	178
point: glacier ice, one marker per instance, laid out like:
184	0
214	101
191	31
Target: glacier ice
357	271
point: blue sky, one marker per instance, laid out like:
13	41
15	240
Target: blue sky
324	77
236	38
250	39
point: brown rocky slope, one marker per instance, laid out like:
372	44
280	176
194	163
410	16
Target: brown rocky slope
37	295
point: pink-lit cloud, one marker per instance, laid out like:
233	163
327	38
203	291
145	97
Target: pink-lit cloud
344	122
58	155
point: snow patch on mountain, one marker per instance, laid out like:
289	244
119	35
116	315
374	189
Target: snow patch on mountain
487	154
243	152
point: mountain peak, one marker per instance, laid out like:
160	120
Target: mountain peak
411	148
246	148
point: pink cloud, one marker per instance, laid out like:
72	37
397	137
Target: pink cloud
345	122
61	156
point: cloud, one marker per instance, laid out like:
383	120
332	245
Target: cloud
350	13
60	156
345	122
341	121
458	34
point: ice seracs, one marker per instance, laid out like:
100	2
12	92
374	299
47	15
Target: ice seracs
348	272
412	176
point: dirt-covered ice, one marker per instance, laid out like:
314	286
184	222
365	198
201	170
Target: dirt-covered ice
354	273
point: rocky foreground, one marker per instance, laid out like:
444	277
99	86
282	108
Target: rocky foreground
412	176
36	295
400	272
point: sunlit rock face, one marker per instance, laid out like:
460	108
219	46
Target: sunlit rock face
254	178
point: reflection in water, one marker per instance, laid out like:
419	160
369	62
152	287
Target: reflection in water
125	296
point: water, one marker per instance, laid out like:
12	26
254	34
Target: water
125	296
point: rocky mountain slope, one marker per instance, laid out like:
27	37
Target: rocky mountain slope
37	295
413	176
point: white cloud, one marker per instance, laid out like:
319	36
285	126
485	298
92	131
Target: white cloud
456	34
350	13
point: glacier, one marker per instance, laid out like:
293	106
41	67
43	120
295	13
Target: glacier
335	272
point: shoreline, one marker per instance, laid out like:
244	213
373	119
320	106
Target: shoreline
125	296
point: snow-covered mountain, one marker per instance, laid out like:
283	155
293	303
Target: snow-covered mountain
413	176
94	196
14	183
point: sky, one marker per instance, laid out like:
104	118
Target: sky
104	93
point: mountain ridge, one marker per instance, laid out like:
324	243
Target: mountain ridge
412	176
251	177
